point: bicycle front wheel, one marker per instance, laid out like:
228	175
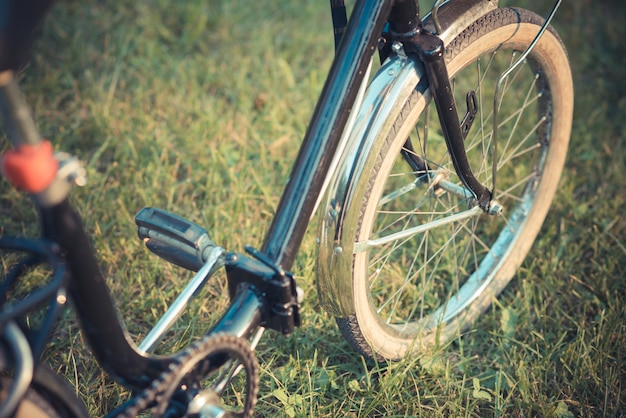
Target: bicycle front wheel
426	261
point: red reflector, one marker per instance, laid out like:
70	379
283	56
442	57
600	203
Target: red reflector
31	168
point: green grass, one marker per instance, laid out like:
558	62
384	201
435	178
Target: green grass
198	107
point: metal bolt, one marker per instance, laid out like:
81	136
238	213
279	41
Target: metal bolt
495	208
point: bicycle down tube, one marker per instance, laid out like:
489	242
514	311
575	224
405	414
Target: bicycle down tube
325	130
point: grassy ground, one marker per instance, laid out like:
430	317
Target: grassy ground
198	107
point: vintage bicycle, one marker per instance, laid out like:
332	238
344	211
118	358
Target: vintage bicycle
421	228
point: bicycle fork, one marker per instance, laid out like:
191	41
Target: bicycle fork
406	27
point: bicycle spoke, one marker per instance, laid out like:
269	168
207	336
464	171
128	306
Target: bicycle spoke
366	245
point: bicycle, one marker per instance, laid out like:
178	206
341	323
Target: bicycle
419	231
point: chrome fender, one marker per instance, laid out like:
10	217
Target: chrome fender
399	77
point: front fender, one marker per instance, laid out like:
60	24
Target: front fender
398	78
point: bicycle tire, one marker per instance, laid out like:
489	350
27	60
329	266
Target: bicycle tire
32	405
48	397
418	291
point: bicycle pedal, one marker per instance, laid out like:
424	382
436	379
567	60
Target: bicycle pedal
174	238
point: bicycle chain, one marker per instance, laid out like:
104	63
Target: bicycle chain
198	351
